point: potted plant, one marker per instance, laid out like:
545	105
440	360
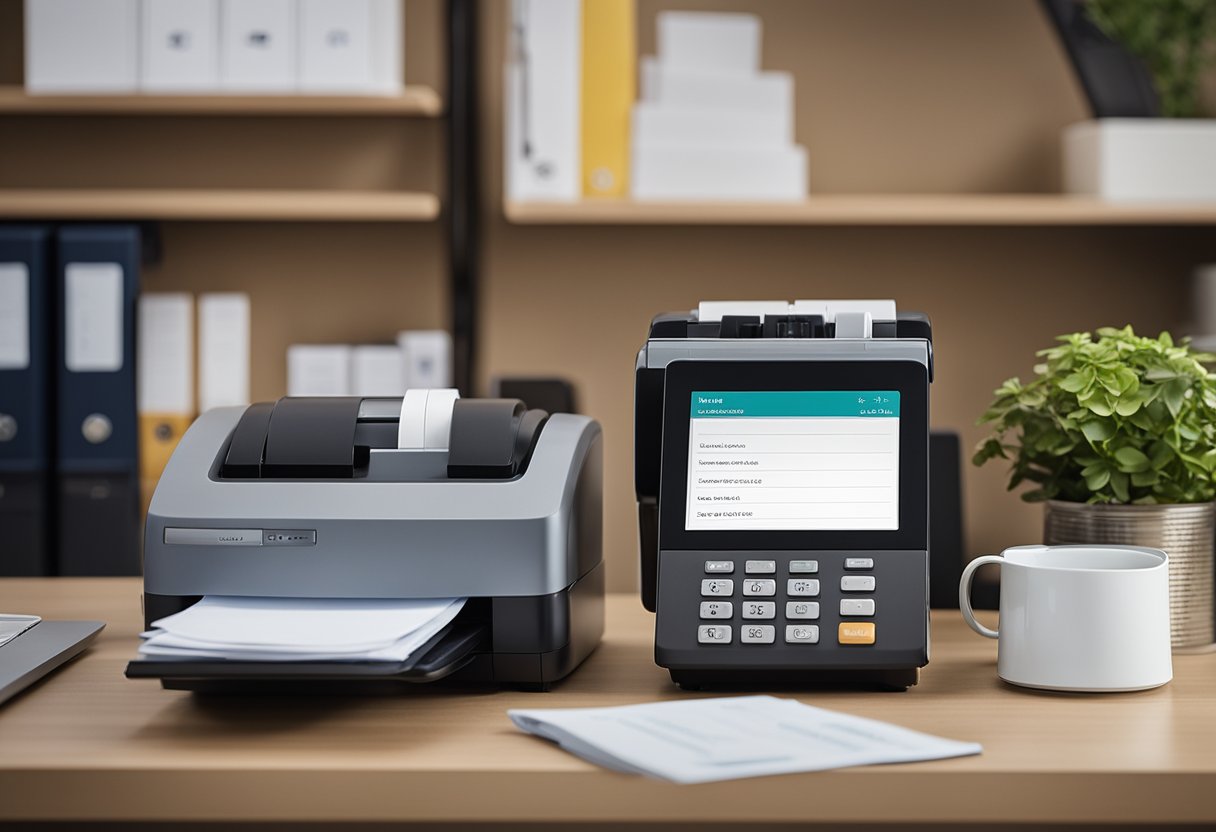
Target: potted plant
1137	60
1117	437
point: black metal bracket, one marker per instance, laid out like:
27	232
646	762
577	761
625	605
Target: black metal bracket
462	191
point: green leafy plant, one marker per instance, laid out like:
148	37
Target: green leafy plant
1174	38
1114	419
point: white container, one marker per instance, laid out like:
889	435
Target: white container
1125	159
1079	618
350	46
428	358
223	349
180	50
258	45
673	172
699	89
656	124
709	41
318	370
377	370
81	46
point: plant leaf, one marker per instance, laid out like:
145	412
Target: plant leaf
1132	460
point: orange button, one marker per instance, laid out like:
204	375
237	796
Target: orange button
859	632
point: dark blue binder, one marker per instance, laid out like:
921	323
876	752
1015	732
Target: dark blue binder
98	471
25	424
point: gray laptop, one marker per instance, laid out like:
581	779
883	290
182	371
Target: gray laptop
30	648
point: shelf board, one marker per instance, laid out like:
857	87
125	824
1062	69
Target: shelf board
869	209
198	204
411	101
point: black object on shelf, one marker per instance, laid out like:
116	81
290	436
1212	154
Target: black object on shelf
462	132
1116	82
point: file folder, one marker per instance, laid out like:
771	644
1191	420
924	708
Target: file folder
25	457
164	379
98	522
609	61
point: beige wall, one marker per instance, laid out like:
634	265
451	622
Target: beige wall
892	96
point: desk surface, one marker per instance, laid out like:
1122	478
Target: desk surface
127	750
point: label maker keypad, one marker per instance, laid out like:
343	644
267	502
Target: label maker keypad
747	601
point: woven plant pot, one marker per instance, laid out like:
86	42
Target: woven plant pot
1185	532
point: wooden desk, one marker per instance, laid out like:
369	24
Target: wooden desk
88	744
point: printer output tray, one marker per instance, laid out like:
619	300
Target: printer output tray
448	651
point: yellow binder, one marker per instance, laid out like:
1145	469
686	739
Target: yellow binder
609	85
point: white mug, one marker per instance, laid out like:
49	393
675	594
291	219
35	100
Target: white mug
1079	618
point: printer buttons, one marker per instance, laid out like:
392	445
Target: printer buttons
857	583
859	563
759	609
804	567
717	587
857	606
720	567
717	609
759	587
798	587
856	632
798	610
713	634
757	634
801	634
761	567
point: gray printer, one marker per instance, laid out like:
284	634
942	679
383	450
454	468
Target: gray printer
323	498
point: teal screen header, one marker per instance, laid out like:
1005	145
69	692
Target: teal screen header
754	404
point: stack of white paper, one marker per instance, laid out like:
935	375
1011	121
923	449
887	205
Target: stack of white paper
703	740
299	629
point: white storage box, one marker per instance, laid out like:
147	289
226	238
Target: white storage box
710	42
318	370
180	49
258	45
1126	159
350	46
719	173
74	46
657	124
692	89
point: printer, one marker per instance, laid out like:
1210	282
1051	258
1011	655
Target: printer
423	497
781	470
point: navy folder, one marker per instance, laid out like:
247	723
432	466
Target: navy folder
25	372
98	480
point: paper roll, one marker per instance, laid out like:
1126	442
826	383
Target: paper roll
426	419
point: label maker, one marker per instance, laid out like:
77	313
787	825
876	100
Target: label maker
781	465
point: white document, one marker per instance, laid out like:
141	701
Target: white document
86	46
543	121
164	366
704	740
300	629
181	49
93	314
223	350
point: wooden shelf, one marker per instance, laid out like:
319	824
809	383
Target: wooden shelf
411	101
869	209
198	204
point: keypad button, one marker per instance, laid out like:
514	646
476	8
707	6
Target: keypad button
804	567
857	583
799	587
856	632
759	609
801	634
761	567
802	610
717	609
717	586
714	634
759	587
756	634
857	606
719	567
859	563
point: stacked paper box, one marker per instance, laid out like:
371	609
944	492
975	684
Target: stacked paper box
419	359
710	124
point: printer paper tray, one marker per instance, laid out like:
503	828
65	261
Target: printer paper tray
449	650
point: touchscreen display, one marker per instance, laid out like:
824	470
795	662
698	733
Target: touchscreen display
793	460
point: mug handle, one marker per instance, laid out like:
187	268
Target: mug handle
964	594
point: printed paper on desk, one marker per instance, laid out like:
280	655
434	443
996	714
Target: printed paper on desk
704	740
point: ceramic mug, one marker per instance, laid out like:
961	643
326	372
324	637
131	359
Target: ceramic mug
1079	618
